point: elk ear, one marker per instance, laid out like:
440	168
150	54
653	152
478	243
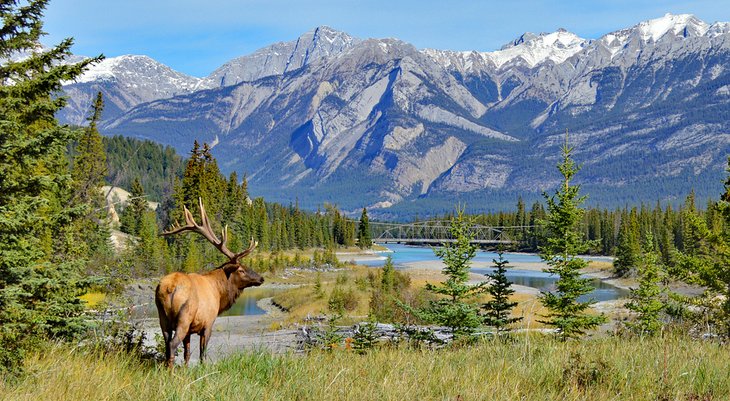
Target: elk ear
230	268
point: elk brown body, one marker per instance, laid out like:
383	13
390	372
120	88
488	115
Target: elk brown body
189	303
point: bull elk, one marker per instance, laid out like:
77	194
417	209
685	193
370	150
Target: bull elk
189	303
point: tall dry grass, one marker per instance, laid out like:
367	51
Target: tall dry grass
532	367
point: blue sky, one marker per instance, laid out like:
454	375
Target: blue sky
195	37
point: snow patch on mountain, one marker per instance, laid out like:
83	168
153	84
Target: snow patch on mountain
684	24
136	71
557	46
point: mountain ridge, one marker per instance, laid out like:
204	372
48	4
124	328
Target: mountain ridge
317	114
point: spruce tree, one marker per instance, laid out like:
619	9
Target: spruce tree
365	240
387	281
563	244
133	214
90	235
89	163
705	258
455	308
39	281
646	300
627	251
498	310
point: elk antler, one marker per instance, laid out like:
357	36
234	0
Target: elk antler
252	245
206	231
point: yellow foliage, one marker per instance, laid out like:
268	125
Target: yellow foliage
93	299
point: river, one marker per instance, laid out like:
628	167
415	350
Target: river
405	254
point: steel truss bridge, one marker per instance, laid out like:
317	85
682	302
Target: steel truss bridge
438	231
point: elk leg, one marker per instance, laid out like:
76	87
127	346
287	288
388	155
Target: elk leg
204	337
166	329
186	349
167	336
180	333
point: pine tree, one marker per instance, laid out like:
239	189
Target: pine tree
456	308
131	218
365	240
89	164
39	283
387	281
498	309
90	235
705	258
627	251
521	219
563	243
646	300
151	249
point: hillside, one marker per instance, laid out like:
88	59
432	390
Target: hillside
379	123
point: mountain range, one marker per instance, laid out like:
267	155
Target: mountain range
379	123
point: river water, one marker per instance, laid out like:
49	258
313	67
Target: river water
402	254
246	304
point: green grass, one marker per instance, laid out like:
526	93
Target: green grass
531	368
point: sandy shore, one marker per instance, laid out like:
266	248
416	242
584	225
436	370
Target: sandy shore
438	265
431	270
363	256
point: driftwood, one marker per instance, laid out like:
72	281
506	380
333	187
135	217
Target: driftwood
321	336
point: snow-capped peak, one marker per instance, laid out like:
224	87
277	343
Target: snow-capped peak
557	46
107	68
681	24
139	71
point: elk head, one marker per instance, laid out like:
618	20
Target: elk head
237	274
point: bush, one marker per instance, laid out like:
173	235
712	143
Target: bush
342	300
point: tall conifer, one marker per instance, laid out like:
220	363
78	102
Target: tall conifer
563	244
498	310
455	308
364	236
39	281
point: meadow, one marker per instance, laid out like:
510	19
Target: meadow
530	367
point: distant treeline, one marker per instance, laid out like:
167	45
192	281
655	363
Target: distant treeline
610	232
157	165
167	177
274	226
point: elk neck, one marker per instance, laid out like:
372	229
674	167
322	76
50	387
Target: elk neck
228	292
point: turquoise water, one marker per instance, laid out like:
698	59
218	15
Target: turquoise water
536	279
246	303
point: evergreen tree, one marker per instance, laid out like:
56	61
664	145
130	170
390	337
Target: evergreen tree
563	243
131	218
39	281
90	235
387	281
89	164
151	249
521	219
705	259
498	309
627	251
646	300
365	240
455	308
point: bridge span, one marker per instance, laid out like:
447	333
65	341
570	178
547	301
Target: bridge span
438	231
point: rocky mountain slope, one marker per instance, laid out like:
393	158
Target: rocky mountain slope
382	124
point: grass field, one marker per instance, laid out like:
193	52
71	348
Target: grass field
532	367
